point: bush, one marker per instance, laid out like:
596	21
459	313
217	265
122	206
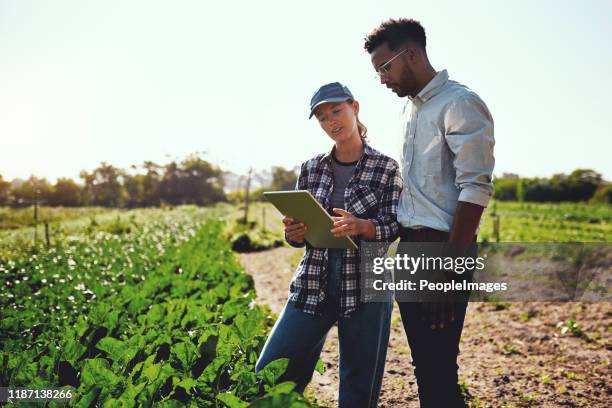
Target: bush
250	238
603	195
580	185
506	189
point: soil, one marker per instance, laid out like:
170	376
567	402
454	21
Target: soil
512	354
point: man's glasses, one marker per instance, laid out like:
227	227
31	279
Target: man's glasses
383	69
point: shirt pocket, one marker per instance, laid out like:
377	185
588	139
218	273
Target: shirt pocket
430	152
432	187
363	201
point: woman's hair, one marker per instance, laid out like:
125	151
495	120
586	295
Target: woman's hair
361	128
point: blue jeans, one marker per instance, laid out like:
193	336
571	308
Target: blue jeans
364	338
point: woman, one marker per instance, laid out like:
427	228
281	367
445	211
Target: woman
360	187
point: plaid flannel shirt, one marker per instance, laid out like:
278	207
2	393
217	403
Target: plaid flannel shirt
372	193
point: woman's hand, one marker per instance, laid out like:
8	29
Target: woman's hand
349	225
294	230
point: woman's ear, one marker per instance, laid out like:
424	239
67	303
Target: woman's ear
355	106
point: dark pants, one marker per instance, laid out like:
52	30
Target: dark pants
434	352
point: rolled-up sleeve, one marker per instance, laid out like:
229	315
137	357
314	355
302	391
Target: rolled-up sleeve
469	135
385	223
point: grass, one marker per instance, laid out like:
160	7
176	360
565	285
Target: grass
506	348
15	218
263	214
546	379
547	222
519	222
263	229
89	220
527	316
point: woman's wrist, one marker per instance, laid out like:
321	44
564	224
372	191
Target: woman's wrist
294	243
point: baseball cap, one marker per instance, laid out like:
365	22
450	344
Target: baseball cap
332	92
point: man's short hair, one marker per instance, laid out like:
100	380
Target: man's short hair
395	33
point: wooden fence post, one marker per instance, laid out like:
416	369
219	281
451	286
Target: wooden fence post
495	222
47	235
263	216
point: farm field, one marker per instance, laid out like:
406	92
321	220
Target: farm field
135	307
513	354
157	313
519	222
544	222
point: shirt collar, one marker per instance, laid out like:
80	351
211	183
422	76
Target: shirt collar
367	150
432	88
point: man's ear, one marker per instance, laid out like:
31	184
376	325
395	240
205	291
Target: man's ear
414	54
355	106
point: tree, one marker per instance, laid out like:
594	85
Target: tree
193	181
202	182
151	183
26	192
581	184
103	186
506	188
603	194
283	179
5	188
134	188
170	185
66	192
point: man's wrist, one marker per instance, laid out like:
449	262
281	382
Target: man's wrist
367	229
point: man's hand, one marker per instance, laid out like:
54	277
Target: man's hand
294	230
438	314
465	222
349	225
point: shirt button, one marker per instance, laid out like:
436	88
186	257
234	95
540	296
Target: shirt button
321	294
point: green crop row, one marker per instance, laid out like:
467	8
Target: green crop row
545	222
161	316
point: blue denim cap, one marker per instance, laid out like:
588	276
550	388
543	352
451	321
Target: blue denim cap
334	92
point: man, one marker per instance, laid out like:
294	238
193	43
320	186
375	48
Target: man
447	165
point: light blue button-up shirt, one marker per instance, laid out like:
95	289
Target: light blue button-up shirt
447	154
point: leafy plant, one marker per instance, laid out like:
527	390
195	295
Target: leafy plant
571	327
162	313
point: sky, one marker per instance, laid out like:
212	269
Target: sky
82	82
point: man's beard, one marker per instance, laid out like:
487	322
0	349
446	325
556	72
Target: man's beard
407	83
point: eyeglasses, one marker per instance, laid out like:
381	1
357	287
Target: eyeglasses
383	69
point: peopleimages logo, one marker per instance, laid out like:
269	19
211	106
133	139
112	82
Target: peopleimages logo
412	264
425	285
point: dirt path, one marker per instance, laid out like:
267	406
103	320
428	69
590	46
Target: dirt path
512	354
